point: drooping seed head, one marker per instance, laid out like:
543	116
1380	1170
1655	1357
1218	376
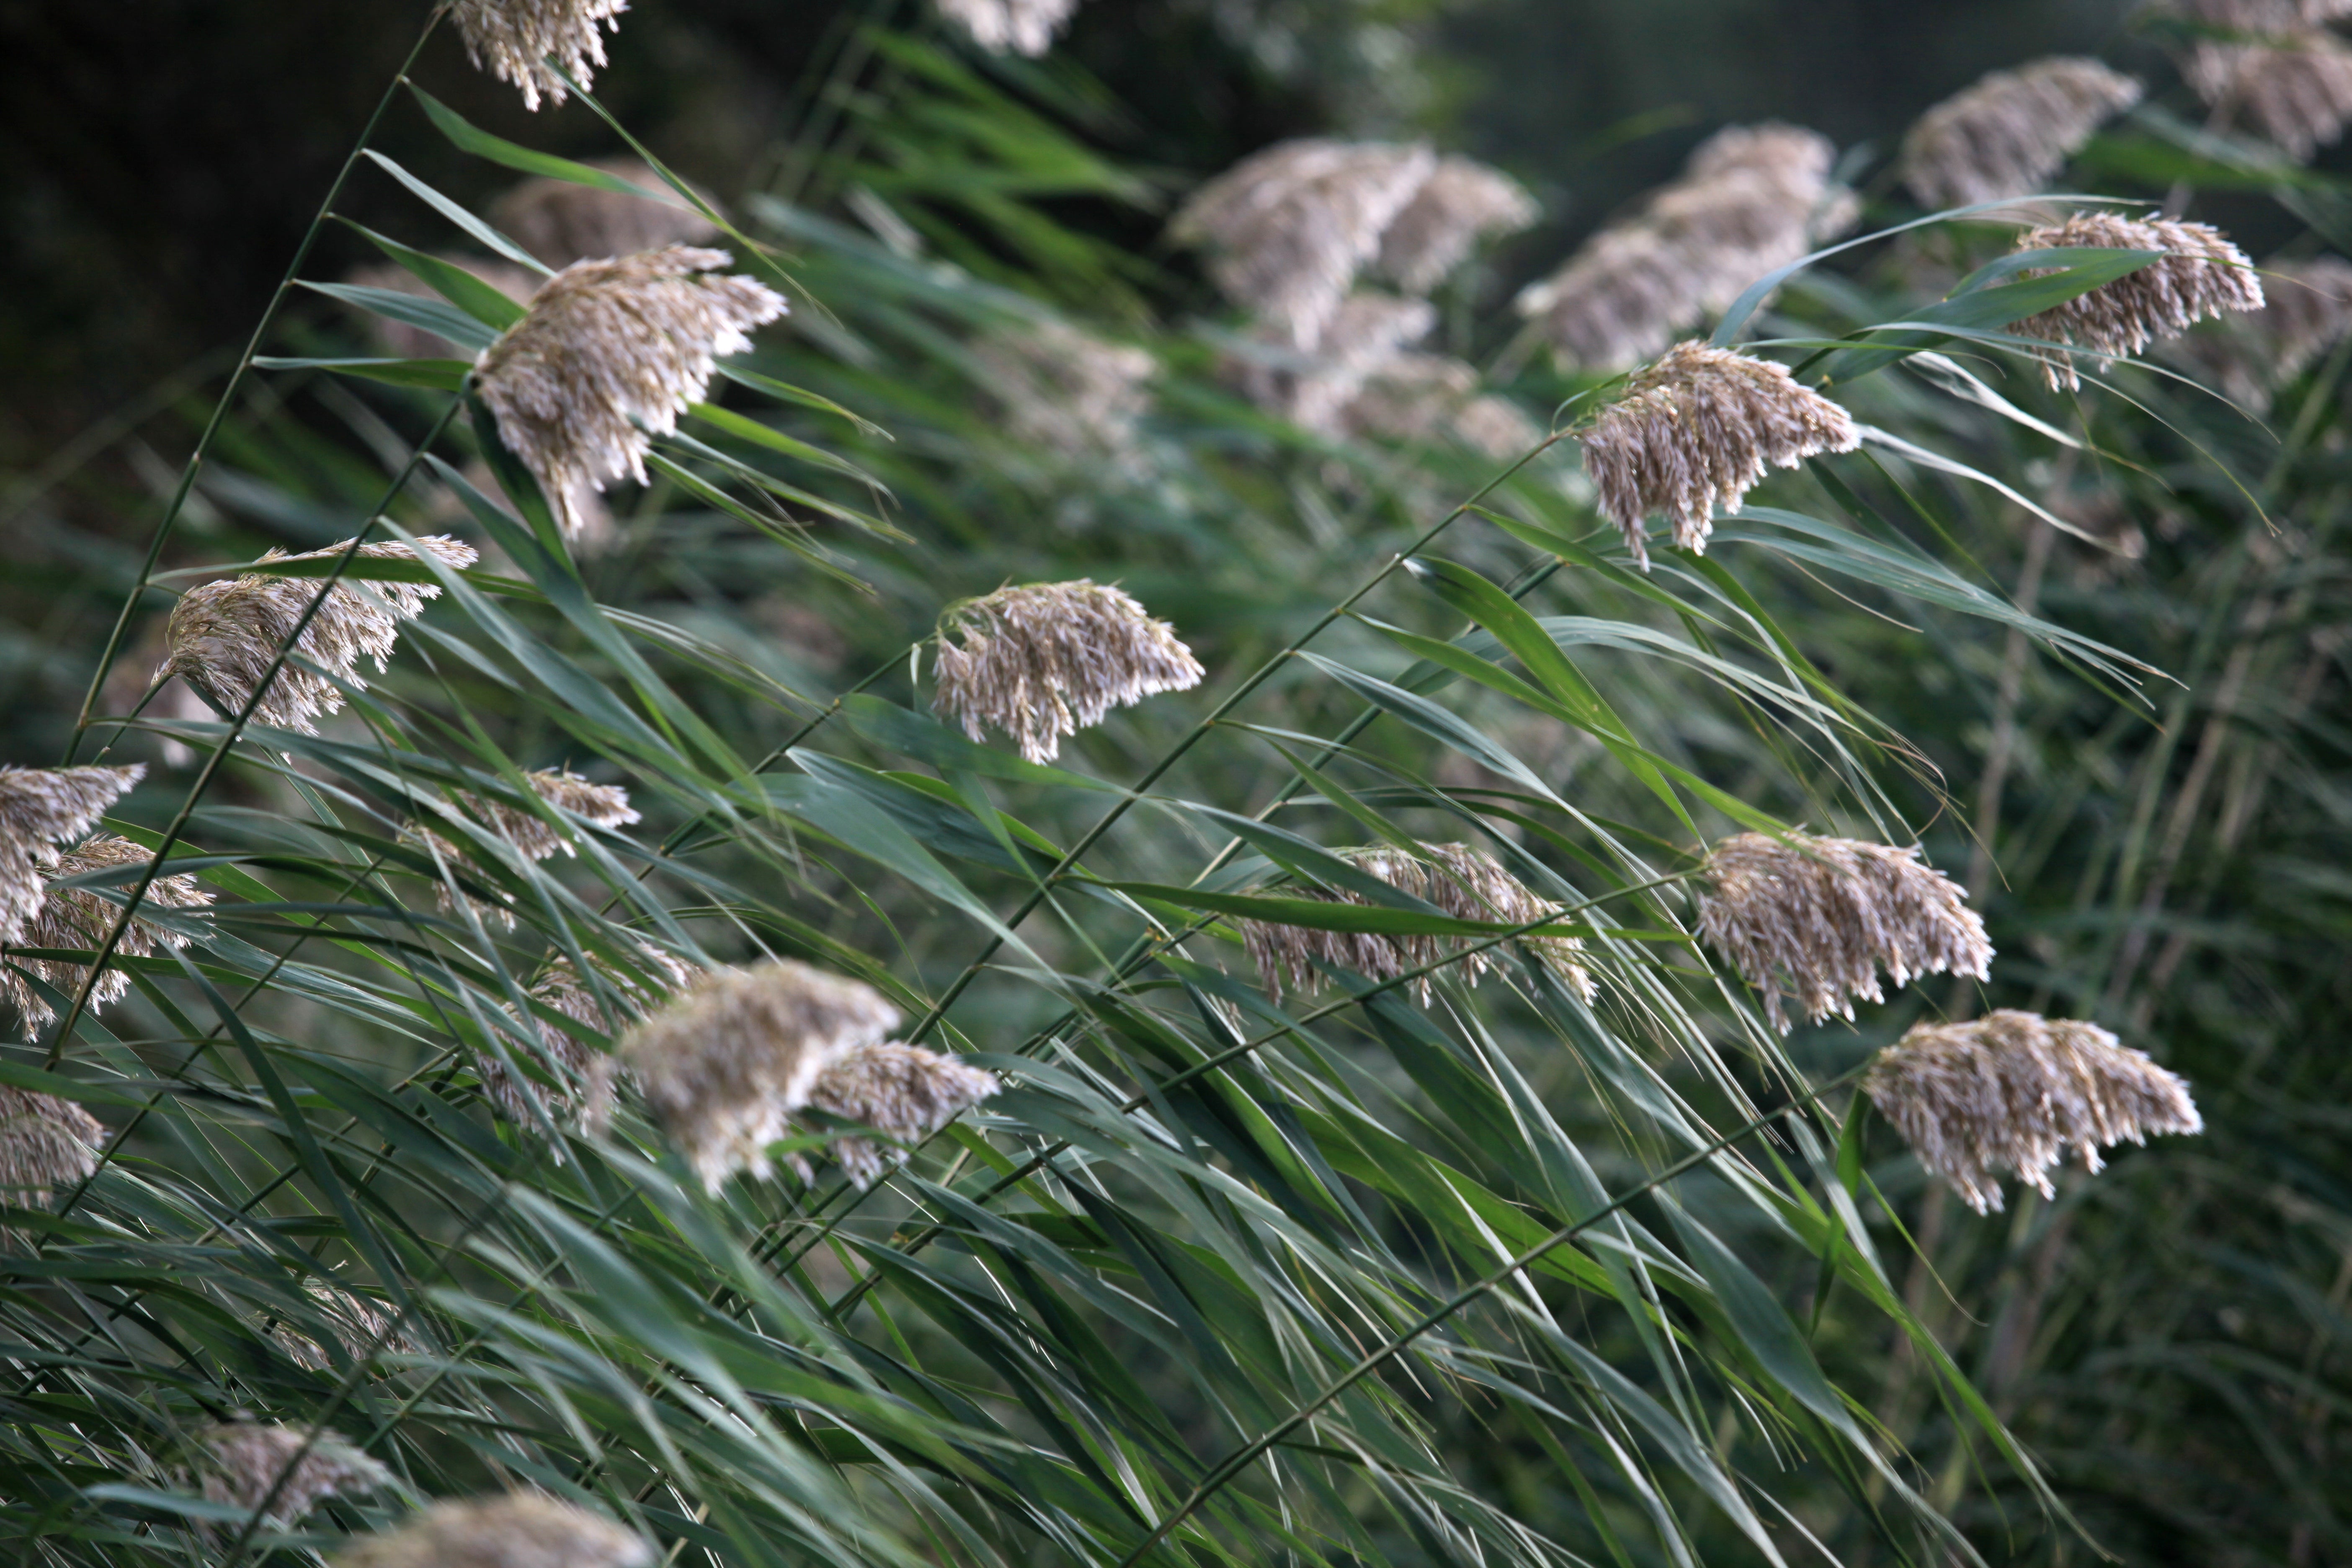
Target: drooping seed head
563	221
40	809
1458	880
905	1092
1460	204
2013	1092
81	917
725	1063
513	40
2287	74
1819	918
521	1530
1066	390
610	355
1290	227
242	1461
1418	396
1698	429
362	1325
1052	659
1017	26
582	1086
2008	132
225	635
45	1142
1312	388
2199	275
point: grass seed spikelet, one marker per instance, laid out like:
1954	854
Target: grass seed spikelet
725	1063
2014	1092
1046	660
45	1142
513	39
241	1462
2201	275
2007	134
521	1530
1818	918
1458	880
609	346
224	635
40	809
1698	429
905	1092
82	917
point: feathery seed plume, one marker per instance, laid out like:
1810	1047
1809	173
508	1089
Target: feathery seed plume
1461	203
606	805
243	1459
1416	396
1290	227
1363	336
45	1142
2014	1092
2296	87
1698	428
40	809
725	1063
405	340
521	1530
566	1060
2201	274
563	221
2307	310
513	38
1819	918
903	1091
1460	880
1049	659
1620	297
609	346
1066	390
224	635
362	1325
80	917
1021	26
2007	134
2263	16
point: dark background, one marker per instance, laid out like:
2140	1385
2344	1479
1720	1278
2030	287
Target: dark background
164	157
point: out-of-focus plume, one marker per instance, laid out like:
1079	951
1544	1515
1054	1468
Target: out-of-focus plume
2307	310
522	1529
1066	390
563	221
581	1089
2007	134
403	340
1010	26
905	1092
1460	204
241	1463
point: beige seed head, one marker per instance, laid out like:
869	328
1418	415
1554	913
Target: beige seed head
242	1461
2015	1092
562	221
1819	918
905	1092
2201	275
1696	430
1066	390
2007	134
1418	396
1052	659
40	809
583	1076
81	917
535	837
1460	204
2295	87
610	355
1290	227
224	635
360	1324
1313	389
1459	880
2307	310
1017	26
513	39
521	1530
724	1063
45	1142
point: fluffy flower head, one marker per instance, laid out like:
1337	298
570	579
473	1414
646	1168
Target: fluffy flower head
1047	661
725	1064
1019	27
1365	334
362	1325
2296	87
40	809
903	1091
513	40
82	917
44	1142
1461	203
225	635
1819	918
2011	131
242	1461
2016	1093
609	346
522	1529
2199	275
1066	390
1459	880
1698	429
582	1077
